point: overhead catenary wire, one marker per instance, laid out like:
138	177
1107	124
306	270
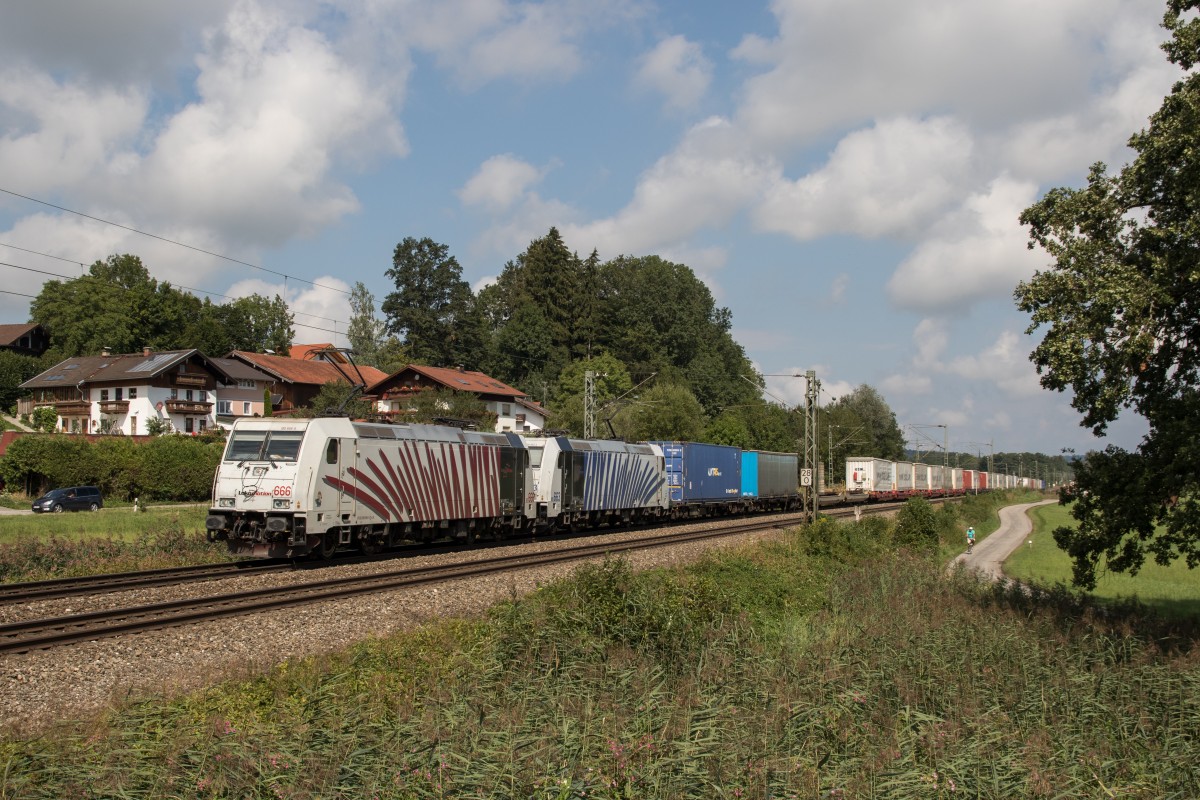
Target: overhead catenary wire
214	294
230	259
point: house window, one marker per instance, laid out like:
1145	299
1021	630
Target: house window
224	407
174	394
520	419
133	393
203	421
246	407
246	384
189	425
187	394
117	393
505	409
104	395
133	426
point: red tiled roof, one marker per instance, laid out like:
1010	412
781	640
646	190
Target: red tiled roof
307	352
466	380
316	373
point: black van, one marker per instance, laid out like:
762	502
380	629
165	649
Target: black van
70	498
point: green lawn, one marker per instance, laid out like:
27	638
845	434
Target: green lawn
1174	590
119	523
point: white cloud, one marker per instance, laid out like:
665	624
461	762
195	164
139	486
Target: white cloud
838	287
975	253
1004	363
700	185
257	150
61	131
499	182
914	382
677	69
889	179
834	65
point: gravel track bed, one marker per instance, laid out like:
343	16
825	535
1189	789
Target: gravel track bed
77	682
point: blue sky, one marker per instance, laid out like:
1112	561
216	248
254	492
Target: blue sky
846	176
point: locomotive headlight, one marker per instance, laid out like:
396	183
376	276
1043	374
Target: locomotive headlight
281	502
225	502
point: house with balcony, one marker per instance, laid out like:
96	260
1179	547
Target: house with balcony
120	394
515	411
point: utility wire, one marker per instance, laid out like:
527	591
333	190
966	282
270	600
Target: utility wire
283	275
55	274
178	286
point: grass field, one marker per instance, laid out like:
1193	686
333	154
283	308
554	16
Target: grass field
119	523
824	665
1173	591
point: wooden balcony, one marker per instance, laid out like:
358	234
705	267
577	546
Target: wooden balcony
73	408
187	407
114	406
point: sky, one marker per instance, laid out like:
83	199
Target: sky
846	177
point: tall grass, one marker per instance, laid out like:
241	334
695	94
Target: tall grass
166	542
826	665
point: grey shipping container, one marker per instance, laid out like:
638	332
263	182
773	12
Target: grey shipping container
778	474
702	473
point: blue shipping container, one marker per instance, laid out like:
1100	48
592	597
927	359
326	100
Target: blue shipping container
702	473
749	473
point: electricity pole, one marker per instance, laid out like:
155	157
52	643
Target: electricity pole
810	456
589	404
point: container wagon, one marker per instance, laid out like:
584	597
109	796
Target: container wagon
874	477
770	480
703	479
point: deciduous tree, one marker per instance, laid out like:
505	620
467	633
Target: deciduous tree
1120	305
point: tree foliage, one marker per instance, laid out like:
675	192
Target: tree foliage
1121	310
15	369
118	306
869	422
431	405
433	308
365	331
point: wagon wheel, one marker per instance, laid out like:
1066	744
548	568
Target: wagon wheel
329	543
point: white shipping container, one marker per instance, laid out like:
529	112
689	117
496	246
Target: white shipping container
956	478
937	475
921	477
904	476
869	475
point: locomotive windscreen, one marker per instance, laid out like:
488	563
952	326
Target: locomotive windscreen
251	445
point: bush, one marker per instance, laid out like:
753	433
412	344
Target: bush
917	526
167	468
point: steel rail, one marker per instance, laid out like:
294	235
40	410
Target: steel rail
121	581
42	634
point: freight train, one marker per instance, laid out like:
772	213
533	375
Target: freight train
298	487
295	487
875	479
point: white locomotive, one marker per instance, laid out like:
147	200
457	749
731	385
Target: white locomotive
290	487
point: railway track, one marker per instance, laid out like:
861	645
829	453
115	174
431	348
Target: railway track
122	581
58	631
40	634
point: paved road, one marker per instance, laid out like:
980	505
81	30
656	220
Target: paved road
989	554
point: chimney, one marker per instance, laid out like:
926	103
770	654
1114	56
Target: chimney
145	352
104	351
460	367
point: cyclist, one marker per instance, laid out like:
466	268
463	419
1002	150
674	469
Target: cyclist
970	538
